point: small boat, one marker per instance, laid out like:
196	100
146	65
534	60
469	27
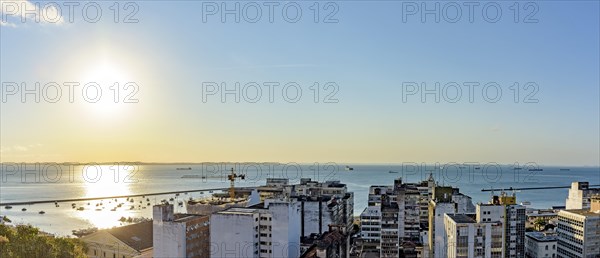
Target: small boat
393	172
565	169
536	169
188	168
42	212
8	207
347	168
24	209
517	168
477	168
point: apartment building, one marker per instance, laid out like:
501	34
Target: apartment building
179	235
269	229
471	239
540	244
578	233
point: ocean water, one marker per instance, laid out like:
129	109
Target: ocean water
49	182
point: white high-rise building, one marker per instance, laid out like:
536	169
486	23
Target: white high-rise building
467	238
179	235
445	200
579	196
578	234
391	223
271	229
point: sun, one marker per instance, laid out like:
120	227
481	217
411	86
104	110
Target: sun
104	89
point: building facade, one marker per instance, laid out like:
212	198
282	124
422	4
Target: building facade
179	235
578	234
269	229
471	239
579	196
539	244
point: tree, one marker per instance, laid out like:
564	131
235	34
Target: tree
539	224
28	241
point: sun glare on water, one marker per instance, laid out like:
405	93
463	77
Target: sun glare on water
107	212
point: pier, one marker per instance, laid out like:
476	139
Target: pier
108	197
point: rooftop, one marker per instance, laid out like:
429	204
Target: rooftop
541	236
461	218
583	212
238	211
137	236
181	217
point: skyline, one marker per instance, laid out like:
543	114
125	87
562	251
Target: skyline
172	55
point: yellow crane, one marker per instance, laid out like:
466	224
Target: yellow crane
231	177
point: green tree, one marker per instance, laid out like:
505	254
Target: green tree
539	224
28	241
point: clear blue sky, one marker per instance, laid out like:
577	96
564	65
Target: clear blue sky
368	53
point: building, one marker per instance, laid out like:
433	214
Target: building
323	205
549	216
514	227
179	235
269	229
392	222
539	244
329	244
445	200
580	196
595	202
578	233
370	224
503	208
121	242
471	239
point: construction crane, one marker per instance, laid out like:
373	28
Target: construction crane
231	177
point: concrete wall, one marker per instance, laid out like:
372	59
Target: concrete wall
285	228
233	235
169	239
